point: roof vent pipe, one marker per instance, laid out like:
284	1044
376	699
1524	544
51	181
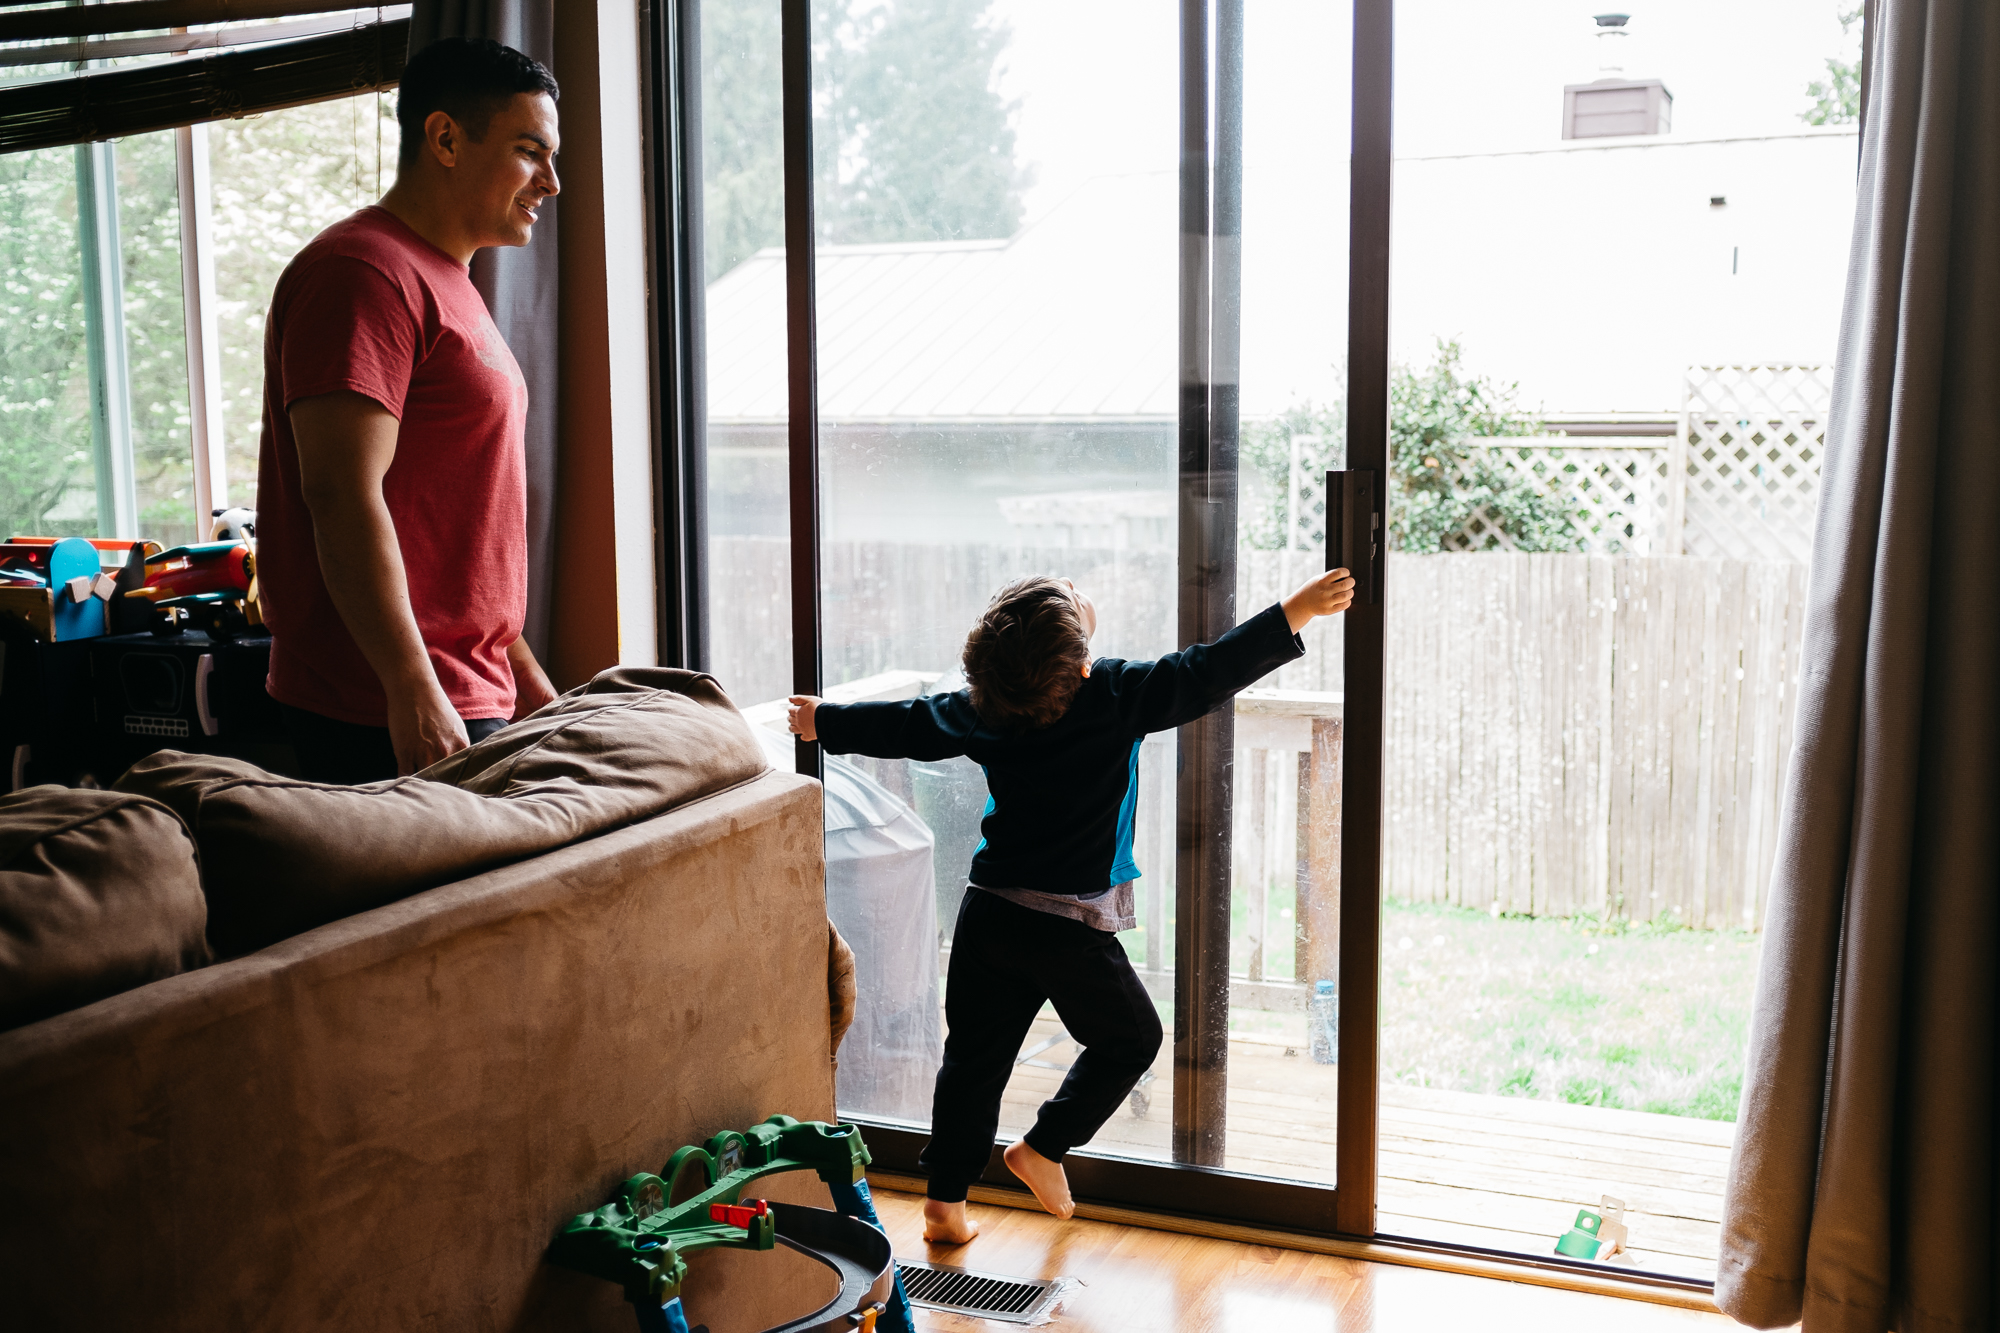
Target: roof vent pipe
1614	105
1612	34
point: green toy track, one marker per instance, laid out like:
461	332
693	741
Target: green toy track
641	1240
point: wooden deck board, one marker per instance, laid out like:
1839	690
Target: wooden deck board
1500	1172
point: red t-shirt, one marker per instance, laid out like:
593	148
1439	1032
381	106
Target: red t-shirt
370	306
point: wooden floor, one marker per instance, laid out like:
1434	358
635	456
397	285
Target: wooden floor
1133	1280
1505	1173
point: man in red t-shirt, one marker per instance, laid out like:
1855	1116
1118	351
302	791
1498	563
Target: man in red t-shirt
392	490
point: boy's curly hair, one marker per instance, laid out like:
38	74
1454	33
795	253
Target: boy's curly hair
1024	660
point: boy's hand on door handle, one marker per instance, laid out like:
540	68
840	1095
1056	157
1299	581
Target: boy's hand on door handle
1327	595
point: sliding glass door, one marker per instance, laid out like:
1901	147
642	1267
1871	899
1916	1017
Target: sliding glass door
1453	920
1074	304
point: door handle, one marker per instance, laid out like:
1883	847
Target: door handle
1354	530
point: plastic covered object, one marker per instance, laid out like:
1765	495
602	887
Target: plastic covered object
881	893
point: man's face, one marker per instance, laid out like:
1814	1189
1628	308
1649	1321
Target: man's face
500	181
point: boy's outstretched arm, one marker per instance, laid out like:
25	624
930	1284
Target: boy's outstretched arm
1182	686
927	728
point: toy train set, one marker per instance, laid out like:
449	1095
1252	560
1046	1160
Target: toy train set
642	1239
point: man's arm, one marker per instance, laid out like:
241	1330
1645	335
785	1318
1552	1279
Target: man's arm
346	442
532	688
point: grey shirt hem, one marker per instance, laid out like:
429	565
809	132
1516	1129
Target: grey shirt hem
1112	910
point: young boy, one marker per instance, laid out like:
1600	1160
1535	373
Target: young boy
1058	736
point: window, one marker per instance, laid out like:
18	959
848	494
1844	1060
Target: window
97	432
997	398
279	180
95	429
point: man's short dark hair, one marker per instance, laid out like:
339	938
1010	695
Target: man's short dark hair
1024	660
468	79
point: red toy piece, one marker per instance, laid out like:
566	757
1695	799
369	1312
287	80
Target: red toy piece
187	570
738	1214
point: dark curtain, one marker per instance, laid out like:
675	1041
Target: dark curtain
519	286
1863	1196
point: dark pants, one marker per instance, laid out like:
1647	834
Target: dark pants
348	753
1006	960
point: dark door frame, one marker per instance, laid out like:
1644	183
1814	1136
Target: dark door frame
677	287
1362	684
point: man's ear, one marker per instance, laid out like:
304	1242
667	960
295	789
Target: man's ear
1086	668
443	137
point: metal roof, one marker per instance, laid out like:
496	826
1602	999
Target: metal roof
1071	319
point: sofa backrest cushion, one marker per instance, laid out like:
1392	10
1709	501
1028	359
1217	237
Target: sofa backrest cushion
281	856
99	892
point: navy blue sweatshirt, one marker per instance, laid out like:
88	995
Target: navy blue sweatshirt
1062	798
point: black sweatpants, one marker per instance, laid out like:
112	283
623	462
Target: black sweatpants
1006	960
352	754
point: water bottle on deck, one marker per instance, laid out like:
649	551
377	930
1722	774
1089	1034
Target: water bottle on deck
1323	1023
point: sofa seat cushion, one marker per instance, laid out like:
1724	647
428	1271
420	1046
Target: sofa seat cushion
99	893
281	856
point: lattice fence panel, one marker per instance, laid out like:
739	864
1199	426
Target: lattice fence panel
1305	500
1616	495
1755	438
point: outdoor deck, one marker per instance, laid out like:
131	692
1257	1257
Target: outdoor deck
1500	1172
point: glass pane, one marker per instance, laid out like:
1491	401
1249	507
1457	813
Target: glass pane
1617	290
743	238
996	199
149	235
46	483
280	179
1286	838
51	482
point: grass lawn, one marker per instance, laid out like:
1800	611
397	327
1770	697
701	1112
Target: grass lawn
1637	1016
1567	1009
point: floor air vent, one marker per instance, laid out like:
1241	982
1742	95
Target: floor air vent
987	1295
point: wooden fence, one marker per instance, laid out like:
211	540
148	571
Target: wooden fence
1566	733
1601	734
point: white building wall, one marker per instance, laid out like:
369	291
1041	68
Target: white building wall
1596	273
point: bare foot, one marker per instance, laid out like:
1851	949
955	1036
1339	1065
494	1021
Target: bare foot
947	1224
1044	1177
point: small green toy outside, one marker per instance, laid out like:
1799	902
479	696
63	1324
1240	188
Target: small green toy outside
1580	1241
641	1240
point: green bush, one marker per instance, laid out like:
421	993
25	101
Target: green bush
1442	473
1442	468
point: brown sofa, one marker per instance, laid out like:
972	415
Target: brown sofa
381	1122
